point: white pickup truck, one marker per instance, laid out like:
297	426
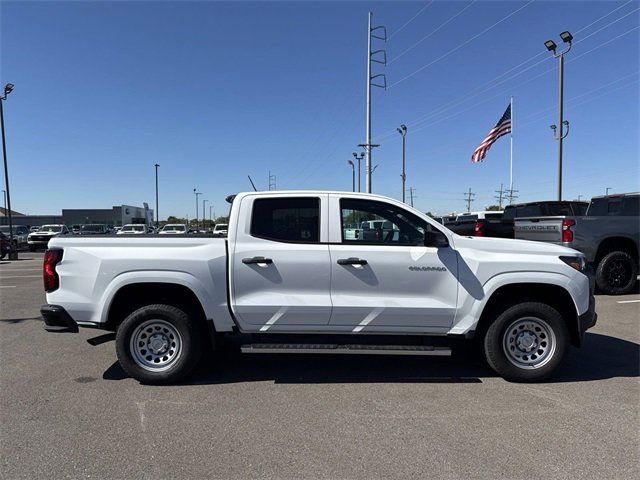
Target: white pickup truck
287	276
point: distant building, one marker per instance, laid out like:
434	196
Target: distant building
115	216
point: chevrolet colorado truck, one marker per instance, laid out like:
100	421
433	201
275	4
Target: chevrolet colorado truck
288	280
608	235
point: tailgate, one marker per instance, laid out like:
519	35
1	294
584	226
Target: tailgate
540	229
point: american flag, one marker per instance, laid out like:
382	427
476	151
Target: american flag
502	128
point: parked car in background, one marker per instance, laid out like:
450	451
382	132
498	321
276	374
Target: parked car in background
20	234
608	235
287	274
133	229
445	220
34	228
40	239
75	229
221	230
4	245
174	229
94	229
481	224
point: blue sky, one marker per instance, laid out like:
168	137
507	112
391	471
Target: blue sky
214	91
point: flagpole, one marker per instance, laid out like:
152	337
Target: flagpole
511	153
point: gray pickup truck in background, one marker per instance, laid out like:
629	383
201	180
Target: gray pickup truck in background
608	235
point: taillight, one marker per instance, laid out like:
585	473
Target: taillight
478	228
49	274
567	233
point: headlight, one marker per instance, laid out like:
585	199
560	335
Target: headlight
578	262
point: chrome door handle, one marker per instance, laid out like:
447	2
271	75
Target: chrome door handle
252	260
352	261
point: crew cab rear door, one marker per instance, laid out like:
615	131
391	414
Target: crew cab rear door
389	280
280	269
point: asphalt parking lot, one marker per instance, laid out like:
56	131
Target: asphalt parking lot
69	411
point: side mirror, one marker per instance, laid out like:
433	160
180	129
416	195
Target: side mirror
435	239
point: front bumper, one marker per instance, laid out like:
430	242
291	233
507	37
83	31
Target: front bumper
57	319
589	318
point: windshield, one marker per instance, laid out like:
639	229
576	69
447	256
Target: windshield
174	228
5	230
133	228
91	228
50	228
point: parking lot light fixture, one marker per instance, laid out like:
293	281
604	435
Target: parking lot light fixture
551	45
13	253
566	37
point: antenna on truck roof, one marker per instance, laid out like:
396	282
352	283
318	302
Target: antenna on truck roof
252	184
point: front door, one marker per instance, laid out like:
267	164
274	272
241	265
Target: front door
384	276
281	270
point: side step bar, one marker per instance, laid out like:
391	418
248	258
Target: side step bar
345	349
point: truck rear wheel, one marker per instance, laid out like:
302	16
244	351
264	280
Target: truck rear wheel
526	342
158	344
616	273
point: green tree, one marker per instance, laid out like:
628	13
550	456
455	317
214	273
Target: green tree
493	208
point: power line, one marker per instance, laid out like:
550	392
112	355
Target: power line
411	19
488	85
440	27
461	45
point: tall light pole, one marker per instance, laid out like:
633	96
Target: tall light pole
353	175
606	192
403	131
211	216
157	214
561	134
359	159
13	254
204	213
196	194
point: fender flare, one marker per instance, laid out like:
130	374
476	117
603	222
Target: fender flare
154	276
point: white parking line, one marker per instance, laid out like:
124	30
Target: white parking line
20	276
628	301
7	286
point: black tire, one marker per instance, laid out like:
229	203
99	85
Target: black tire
550	345
176	328
616	273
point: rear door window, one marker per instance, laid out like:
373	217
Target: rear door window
293	220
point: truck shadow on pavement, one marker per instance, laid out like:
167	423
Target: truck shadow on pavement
601	357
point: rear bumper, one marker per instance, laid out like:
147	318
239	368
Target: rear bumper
57	319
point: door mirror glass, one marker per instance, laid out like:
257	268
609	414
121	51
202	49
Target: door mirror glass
433	238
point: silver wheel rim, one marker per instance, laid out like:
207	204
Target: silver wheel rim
155	345
529	343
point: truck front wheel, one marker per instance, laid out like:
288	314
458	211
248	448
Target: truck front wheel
158	344
616	273
526	342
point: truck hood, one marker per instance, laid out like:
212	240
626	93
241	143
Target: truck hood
511	246
44	234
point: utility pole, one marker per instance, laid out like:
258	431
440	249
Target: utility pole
196	194
561	134
358	158
500	196
210	216
511	194
411	196
368	146
4	197
469	199
403	131
13	254
272	181
606	192
157	214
